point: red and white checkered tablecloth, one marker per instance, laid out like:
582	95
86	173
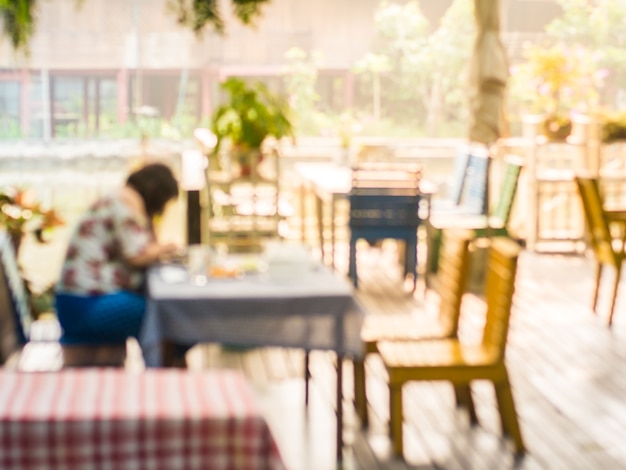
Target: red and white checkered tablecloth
114	419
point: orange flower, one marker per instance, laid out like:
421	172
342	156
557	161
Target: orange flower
20	212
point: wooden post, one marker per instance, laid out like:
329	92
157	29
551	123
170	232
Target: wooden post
194	229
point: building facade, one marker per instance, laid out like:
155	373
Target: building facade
97	68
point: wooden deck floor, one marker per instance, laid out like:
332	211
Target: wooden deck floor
568	371
567	368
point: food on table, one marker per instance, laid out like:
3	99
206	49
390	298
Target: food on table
219	271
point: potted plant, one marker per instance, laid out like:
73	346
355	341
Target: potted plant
251	115
556	126
557	79
20	213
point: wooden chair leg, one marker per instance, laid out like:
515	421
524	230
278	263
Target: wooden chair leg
395	418
508	415
614	294
113	355
402	257
352	263
463	394
307	377
319	212
360	391
596	290
171	356
433	246
410	263
502	410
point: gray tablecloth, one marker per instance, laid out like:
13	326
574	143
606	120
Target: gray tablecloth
311	310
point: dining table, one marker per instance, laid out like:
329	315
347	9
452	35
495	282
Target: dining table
161	419
303	305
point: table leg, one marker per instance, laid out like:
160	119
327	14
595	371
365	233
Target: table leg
319	208
332	232
303	197
194	214
339	408
307	377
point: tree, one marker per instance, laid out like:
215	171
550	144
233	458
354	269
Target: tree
427	78
300	79
555	79
19	16
375	65
599	27
447	53
401	34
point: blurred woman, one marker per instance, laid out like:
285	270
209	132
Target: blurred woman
100	294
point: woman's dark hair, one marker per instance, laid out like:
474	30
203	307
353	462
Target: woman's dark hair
156	185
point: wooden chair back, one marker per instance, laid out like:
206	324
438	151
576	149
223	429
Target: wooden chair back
10	341
384	196
474	194
461	162
499	288
599	233
386	176
452	277
508	189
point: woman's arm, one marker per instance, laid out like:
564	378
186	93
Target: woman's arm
153	251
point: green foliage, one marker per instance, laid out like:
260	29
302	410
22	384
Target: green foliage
555	78
248	10
427	80
598	27
574	25
19	21
401	35
300	81
198	14
614	127
19	16
251	114
20	213
9	128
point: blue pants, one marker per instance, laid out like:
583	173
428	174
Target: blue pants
100	319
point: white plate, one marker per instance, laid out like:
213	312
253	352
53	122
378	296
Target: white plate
173	274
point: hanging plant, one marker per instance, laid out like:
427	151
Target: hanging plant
19	16
19	21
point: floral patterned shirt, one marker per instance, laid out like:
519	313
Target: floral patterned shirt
108	233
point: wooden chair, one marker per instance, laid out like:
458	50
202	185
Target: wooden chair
470	194
608	250
15	317
92	355
494	225
384	203
451	360
455	187
10	344
452	280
